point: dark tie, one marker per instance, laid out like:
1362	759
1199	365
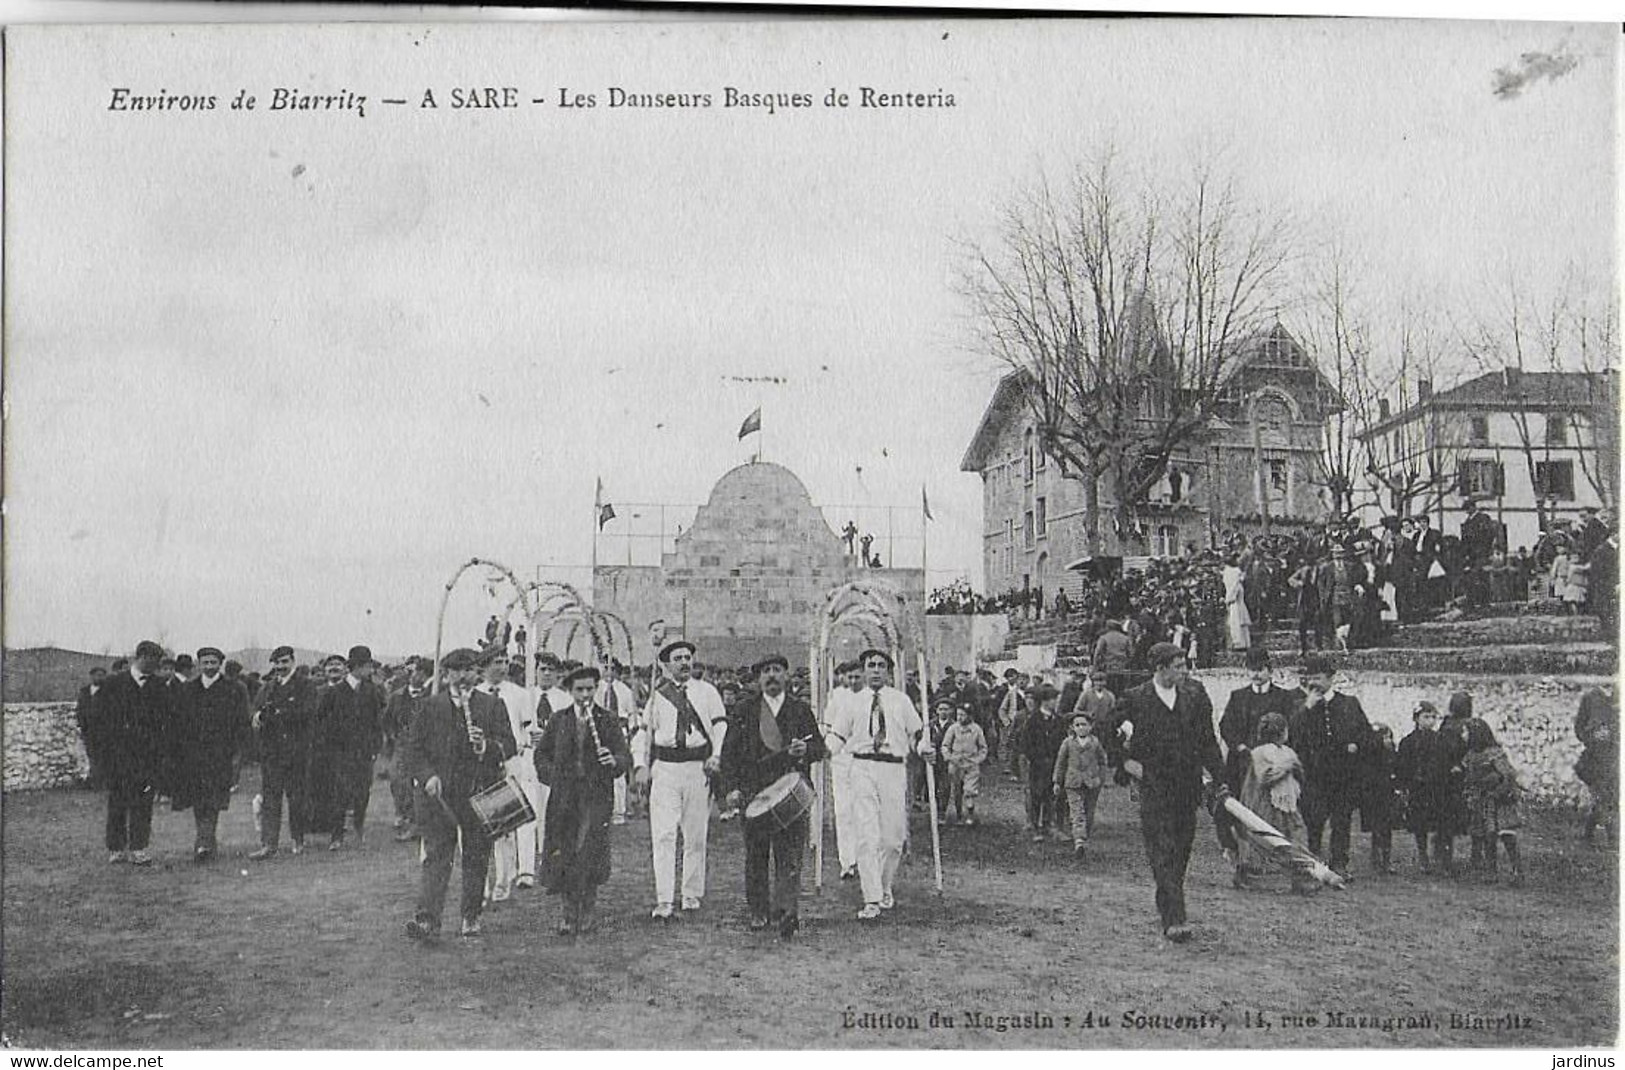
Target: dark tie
877	723
582	735
614	701
682	722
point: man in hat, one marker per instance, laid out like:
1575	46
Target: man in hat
456	747
1330	732
678	748
1480	535
849	685
614	696
211	725
287	707
878	729
97	777
130	721
578	756
1172	743
1239	725
770	736
348	735
513	856
399	712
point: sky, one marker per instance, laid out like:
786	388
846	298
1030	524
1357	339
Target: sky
272	376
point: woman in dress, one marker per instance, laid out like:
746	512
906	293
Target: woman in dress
1238	623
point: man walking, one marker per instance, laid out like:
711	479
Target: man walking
131	720
211	725
287	705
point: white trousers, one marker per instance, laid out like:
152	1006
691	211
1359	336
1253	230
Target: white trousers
515	854
880	820
620	798
846	841
679	797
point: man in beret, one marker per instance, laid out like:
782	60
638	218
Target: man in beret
579	756
878	728
211	726
678	749
455	748
130	719
770	736
287	705
348	735
1172	742
848	688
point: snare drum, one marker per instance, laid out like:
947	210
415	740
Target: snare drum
783	802
501	808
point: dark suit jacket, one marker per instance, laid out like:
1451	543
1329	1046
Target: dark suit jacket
1173	746
1240	721
131	727
349	721
287	710
747	765
437	744
558	758
1321	736
211	725
1479	536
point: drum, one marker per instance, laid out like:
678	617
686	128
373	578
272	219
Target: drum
501	808
783	802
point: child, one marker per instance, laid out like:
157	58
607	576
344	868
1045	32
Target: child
942	718
1491	791
1422	770
1040	741
964	747
1080	770
1271	788
1380	807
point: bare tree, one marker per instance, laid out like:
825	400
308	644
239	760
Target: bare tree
1123	305
1334	331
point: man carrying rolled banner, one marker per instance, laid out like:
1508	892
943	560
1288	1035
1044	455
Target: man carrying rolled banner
578	756
678	748
768	737
513	856
1172	742
211	725
878	729
849	687
455	748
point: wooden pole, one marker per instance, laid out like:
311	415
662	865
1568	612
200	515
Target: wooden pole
925	699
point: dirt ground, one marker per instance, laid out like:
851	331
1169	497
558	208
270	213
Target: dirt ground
1048	950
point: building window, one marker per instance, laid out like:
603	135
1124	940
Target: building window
1276	479
1557	429
1027	469
1482	479
1041	517
1478	431
1027	529
1165	541
1555	479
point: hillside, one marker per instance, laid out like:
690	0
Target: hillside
51	674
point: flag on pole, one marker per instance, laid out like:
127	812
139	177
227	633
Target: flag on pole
606	512
753	423
925	503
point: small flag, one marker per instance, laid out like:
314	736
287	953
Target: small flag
752	423
605	511
925	503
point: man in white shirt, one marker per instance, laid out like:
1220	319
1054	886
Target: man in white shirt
849	686
678	748
615	696
878	728
514	855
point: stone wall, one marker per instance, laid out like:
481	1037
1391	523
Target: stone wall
42	748
1533	717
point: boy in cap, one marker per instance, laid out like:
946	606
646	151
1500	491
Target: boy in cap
676	752
456	747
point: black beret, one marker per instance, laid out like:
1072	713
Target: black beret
874	652
847	666
282	652
183	659
359	655
772	659
490	654
583	672
210	651
146	648
675	645
461	658
547	660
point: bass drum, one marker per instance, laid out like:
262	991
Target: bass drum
783	802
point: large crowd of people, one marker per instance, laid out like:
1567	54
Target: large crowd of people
586	750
